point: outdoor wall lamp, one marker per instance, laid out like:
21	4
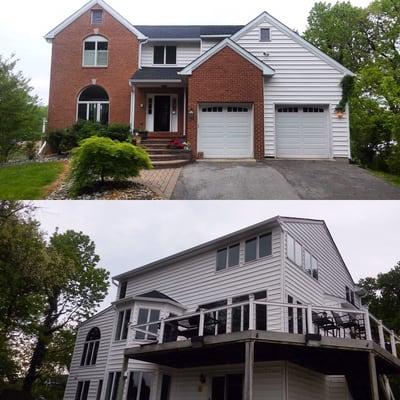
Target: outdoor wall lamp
191	112
202	379
141	105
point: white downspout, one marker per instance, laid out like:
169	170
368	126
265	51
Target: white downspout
133	104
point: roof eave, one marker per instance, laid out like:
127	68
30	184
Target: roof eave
156	81
197	249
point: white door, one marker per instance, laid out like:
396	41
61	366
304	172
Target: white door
302	132
225	131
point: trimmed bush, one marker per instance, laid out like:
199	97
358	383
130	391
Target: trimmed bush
98	159
64	140
119	132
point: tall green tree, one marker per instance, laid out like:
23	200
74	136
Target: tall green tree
367	42
20	113
71	295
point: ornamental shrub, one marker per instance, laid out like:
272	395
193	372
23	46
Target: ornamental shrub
119	132
98	159
62	140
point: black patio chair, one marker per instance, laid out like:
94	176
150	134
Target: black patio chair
322	321
345	322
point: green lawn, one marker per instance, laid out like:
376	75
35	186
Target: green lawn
28	181
393	179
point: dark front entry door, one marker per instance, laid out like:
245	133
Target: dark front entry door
229	387
162	109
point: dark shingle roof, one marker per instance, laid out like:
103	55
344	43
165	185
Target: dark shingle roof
157	73
186	31
155	294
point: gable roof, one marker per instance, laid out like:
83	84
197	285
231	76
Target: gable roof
53	33
187	31
266	69
155	294
293	35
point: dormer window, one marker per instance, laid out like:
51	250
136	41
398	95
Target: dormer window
265	35
95	52
97	17
122	290
164	55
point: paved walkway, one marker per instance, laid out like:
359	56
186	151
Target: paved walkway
161	181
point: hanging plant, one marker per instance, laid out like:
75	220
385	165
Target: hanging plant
347	84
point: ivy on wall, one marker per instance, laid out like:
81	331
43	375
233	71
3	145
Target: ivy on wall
347	84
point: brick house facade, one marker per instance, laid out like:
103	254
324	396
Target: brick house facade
232	91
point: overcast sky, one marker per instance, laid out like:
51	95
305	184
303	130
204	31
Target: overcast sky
131	234
23	23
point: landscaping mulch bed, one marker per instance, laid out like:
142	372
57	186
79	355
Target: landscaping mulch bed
130	190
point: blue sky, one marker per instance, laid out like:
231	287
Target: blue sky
131	234
23	23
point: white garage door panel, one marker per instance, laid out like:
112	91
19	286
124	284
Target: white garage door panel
224	131
302	132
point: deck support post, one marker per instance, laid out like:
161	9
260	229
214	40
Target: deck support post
201	322
367	324
161	331
248	371
310	324
252	314
121	384
373	377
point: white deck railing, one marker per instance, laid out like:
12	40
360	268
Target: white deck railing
370	328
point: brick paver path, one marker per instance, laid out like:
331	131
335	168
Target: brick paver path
161	181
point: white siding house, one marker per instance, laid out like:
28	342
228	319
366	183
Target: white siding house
262	294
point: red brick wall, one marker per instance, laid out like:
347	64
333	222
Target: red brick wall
68	77
227	77
141	98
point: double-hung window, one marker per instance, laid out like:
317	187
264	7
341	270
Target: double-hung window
294	251
258	247
146	316
95	52
82	390
310	264
113	382
164	55
124	317
228	257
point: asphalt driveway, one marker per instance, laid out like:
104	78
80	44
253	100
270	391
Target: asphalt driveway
281	180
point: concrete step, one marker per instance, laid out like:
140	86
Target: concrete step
156	141
170	164
164	157
155	146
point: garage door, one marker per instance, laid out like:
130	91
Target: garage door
225	131
302	132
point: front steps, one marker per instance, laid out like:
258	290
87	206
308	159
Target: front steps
163	157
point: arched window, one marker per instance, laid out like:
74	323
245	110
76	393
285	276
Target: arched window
93	105
91	348
95	52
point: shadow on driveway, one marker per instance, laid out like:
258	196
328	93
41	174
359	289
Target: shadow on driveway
280	180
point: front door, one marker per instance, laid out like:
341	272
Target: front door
162	113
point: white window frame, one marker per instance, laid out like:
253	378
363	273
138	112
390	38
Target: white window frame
139	388
96	39
165	56
146	328
125	311
269	35
99	103
83	389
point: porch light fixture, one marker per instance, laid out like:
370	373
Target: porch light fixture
202	379
313	340
141	105
191	112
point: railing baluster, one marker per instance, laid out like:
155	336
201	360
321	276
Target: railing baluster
310	327
367	324
252	314
393	343
201	322
161	331
381	334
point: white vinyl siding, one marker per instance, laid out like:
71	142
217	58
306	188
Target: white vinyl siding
207	44
332	274
185	54
301	78
304	384
195	281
